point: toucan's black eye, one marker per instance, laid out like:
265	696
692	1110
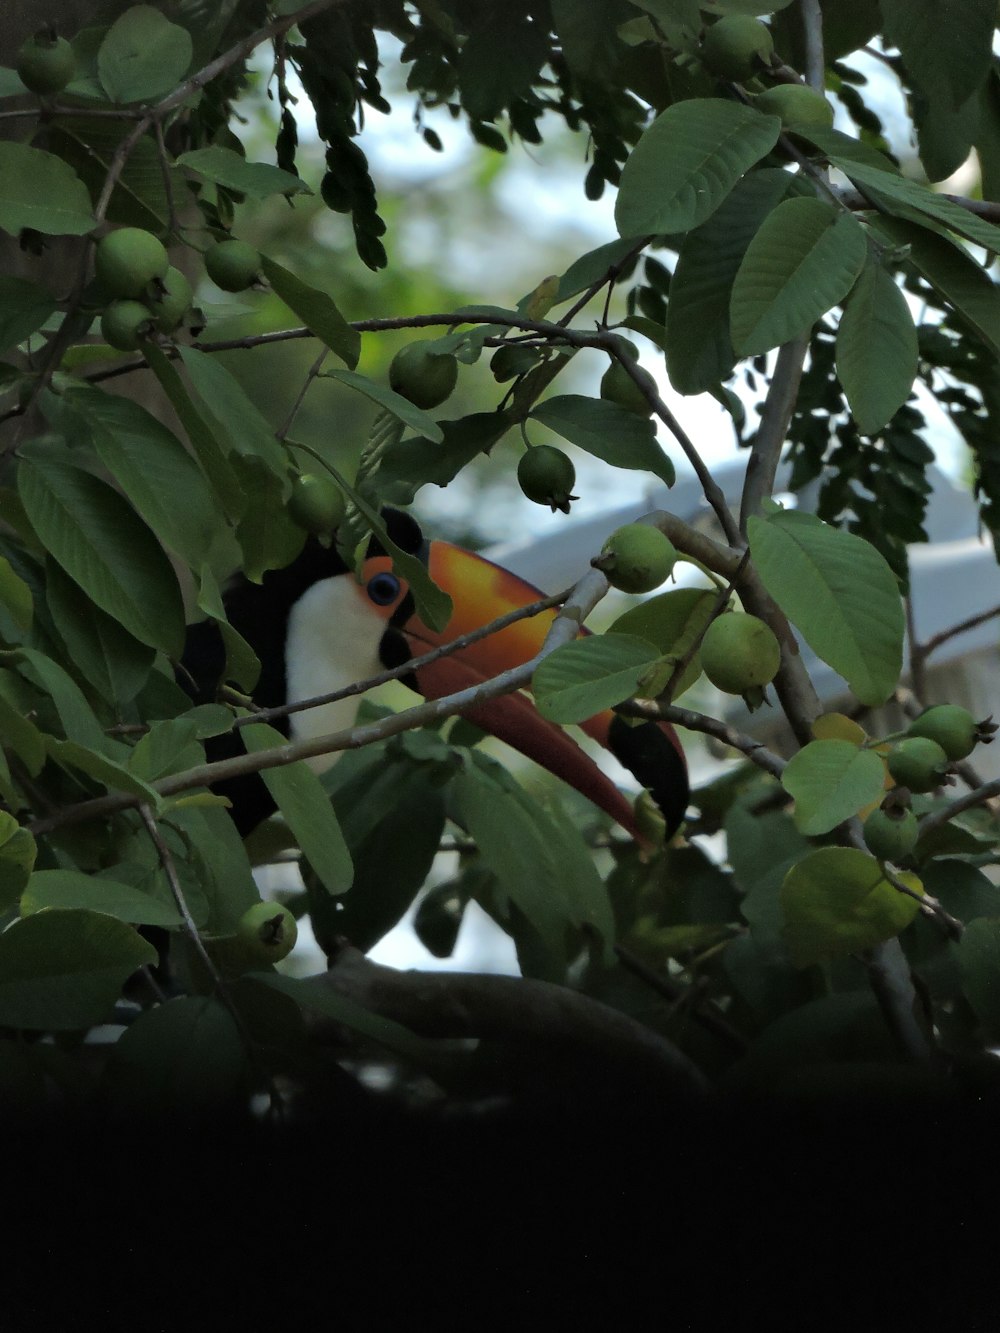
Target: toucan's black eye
383	589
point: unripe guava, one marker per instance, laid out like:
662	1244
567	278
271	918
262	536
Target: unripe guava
124	323
46	63
232	265
546	476
736	46
636	558
618	386
891	834
918	763
796	104
127	260
171	300
266	933
739	653
423	377
954	729
316	504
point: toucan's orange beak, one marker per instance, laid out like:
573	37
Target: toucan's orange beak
482	592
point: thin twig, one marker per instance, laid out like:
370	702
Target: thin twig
705	1013
779	405
754	749
979	796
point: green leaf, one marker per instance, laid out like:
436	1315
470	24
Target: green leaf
17	859
978	954
140	197
803	260
97	765
595	266
686	163
268	537
108	657
306	807
24	307
317	312
671	621
76	715
317	995
839	592
394	403
961	281
836	902
876	349
830	781
186	1056
105	547
499	62
234	418
914	202
15	595
218	865
40	191
699	347
143	57
69	889
19	733
169	746
254	179
205	443
242	663
584	677
150	464
409	464
947	47
609	432
63	970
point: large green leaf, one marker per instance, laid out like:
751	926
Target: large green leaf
18	731
150	465
306	807
686	163
140	197
143	56
946	44
830	781
699	347
594	266
40	191
15	596
395	403
978	954
105	654
24	307
609	432
78	719
876	349
672	621
409	464
839	592
914	201
964	283
316	310
185	1057
48	889
104	546
63	970
590	674
836	902
225	405
254	179
17	858
803	260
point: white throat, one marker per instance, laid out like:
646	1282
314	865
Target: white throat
332	642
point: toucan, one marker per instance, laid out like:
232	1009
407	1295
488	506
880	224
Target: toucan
316	627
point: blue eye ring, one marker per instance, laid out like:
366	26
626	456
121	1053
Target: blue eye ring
383	589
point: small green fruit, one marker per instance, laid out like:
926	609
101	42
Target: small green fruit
423	377
125	323
128	260
918	763
739	653
954	728
796	104
737	46
46	63
546	475
171	300
618	386
636	558
891	834
232	265
316	504
266	933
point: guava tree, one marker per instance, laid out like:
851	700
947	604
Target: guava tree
848	932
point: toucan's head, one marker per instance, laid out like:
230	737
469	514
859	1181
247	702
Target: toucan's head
317	629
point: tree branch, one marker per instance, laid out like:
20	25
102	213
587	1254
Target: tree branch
754	749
